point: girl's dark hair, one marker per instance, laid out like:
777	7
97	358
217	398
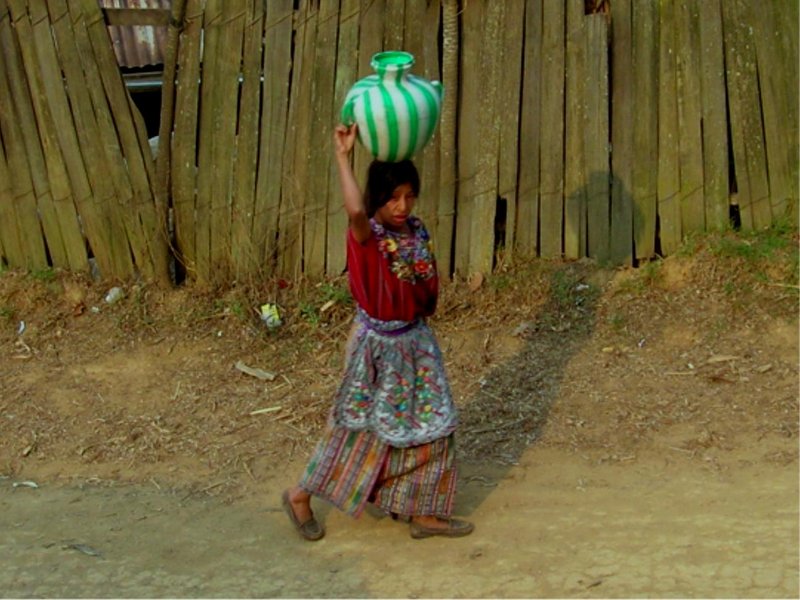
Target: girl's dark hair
383	178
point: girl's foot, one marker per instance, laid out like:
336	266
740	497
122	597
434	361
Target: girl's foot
297	505
428	526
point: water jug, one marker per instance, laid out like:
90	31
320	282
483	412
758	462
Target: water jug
396	112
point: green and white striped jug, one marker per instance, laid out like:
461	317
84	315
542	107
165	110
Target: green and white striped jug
396	111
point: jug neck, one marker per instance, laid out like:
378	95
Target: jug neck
392	65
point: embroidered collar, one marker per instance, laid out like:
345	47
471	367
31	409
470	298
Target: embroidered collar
410	255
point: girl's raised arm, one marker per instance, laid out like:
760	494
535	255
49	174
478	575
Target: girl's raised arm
343	141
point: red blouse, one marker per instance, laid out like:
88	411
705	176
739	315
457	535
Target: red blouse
393	276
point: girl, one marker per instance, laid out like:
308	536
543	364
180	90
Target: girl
390	436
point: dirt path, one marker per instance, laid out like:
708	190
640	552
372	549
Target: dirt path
553	526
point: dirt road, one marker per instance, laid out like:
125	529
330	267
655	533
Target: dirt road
553	526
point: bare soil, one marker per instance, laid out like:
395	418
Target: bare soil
624	432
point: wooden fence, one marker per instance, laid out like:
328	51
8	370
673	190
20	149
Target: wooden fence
609	135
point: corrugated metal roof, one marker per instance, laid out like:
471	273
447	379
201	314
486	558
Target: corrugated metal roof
138	46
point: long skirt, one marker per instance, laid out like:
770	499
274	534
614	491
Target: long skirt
351	468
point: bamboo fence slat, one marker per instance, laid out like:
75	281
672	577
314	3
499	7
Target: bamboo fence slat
11	247
552	130
596	134
715	130
746	118
644	176
59	218
183	178
574	118
204	201
669	184
274	123
323	76
780	132
469	135
21	196
623	121
394	24
346	74
244	252
446	203
689	116
530	130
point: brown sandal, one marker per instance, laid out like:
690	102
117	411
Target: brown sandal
310	530
455	528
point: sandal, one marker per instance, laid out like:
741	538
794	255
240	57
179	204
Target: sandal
310	530
455	528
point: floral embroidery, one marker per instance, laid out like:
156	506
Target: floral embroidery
359	399
410	257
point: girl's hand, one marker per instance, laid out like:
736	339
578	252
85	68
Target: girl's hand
344	138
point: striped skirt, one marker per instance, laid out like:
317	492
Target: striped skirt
350	468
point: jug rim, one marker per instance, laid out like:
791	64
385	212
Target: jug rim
392	60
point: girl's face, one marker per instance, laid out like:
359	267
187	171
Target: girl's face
395	212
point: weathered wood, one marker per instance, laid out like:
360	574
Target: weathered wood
509	106
445	209
107	236
315	186
244	249
644	176
596	135
299	140
126	17
468	133
12	250
204	201
133	144
20	187
183	165
623	117
394	24
484	203
574	168
775	76
689	116
225	97
274	114
669	184
745	116
430	158
346	74
60	218
526	235
552	130
715	123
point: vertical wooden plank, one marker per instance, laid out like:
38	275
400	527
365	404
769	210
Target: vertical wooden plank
689	116
111	252
468	133
715	118
20	186
526	235
430	159
509	106
445	209
745	116
574	168
184	176
776	75
225	98
293	197
552	127
481	236
204	200
394	24
63	218
346	74
274	111
623	117
371	32
596	137
644	176
12	250
669	184
244	252
323	77
91	219
133	144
